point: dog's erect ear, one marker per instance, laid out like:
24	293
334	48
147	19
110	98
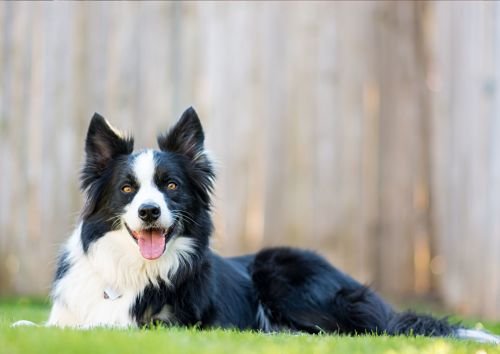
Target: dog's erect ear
185	137
104	143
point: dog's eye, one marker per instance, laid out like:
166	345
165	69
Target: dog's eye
171	186
127	188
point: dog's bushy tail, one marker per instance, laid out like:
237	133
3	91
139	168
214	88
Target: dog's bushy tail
359	310
410	323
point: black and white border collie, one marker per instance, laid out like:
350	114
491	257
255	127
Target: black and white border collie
141	255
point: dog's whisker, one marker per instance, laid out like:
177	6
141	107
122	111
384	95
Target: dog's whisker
185	216
116	221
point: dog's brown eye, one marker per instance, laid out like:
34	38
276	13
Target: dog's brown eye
171	186
127	188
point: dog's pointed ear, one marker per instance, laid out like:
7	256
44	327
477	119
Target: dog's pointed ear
186	137
104	143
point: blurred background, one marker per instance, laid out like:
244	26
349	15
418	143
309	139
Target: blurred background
368	131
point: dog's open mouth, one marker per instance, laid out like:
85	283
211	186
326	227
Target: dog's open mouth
151	241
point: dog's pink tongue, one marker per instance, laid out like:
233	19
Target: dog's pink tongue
151	243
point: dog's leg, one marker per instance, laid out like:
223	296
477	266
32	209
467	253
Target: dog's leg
61	316
299	290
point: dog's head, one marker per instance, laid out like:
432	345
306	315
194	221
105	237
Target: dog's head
155	195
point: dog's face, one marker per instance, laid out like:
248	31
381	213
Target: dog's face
155	195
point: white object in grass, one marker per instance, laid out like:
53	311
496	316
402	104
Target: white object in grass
23	323
478	336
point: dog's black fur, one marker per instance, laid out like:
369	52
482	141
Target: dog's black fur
297	290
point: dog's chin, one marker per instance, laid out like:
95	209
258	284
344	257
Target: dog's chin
152	241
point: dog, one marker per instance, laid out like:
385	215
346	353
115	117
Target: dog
140	255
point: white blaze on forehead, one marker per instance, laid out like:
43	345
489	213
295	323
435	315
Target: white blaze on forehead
144	167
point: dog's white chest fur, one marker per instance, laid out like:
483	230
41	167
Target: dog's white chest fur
101	286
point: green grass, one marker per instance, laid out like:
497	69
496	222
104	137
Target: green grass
25	340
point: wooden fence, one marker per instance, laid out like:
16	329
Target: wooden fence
369	131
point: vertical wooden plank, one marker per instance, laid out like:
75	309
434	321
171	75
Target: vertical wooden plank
325	120
492	295
19	87
122	60
298	130
275	110
440	81
424	231
225	74
400	157
354	183
368	92
466	160
157	64
346	137
485	179
6	76
33	142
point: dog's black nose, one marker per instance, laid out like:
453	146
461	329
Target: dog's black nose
149	212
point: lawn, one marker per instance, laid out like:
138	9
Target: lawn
25	340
